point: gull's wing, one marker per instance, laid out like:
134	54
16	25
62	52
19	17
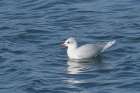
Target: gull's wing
91	50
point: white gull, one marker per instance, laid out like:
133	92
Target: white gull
85	51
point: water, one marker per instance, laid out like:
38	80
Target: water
32	61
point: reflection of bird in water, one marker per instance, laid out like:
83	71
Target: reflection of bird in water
78	66
88	68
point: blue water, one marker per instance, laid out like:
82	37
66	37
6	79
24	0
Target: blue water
32	61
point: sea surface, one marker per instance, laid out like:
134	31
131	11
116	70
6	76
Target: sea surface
32	61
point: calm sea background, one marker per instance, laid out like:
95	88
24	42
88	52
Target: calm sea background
32	61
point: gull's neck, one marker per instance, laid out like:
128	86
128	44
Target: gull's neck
71	51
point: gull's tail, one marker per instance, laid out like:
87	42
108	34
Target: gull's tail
109	44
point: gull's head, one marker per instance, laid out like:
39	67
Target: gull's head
70	42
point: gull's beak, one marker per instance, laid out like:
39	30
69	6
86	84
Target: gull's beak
63	45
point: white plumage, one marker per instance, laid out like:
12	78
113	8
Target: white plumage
85	51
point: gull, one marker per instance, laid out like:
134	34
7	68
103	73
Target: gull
85	51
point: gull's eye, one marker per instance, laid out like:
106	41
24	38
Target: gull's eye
68	42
